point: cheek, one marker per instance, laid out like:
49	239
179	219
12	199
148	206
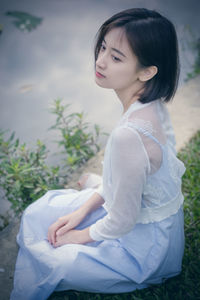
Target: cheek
126	75
130	71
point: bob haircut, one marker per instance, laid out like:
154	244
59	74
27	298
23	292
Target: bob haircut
153	40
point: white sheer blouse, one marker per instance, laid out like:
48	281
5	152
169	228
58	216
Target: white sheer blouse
133	190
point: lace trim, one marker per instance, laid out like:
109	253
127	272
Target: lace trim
145	126
157	214
154	195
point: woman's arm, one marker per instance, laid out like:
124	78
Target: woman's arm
94	202
129	168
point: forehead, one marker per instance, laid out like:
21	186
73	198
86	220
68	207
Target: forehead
116	38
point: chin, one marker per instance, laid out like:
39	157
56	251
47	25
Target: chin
101	84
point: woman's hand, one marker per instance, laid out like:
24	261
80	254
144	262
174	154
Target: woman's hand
64	224
70	221
73	237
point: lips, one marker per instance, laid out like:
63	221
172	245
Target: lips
99	75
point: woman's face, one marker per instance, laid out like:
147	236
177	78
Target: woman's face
116	65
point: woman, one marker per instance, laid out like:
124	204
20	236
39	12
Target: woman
128	233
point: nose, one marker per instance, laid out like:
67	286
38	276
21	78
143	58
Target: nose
101	61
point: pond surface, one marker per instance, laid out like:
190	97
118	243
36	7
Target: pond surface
56	60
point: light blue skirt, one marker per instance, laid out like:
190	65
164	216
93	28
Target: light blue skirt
147	255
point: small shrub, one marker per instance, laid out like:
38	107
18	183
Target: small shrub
77	139
196	66
24	175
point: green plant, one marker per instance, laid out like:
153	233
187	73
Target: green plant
24	21
196	66
78	142
24	175
191	43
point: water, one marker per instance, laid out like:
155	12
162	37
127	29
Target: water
56	60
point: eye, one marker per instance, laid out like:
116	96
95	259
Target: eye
103	47
116	59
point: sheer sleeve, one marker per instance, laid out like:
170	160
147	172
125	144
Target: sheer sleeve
99	189
129	168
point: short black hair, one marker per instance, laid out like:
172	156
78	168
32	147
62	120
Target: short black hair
153	40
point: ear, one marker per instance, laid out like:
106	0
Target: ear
147	73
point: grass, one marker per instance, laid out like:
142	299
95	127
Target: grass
185	286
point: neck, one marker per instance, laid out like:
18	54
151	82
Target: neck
129	96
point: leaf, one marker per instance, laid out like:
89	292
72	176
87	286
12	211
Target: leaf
29	186
17	185
24	21
11	137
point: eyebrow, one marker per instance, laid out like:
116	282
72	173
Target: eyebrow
116	50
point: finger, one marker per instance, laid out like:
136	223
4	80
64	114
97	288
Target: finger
53	236
49	235
57	243
62	230
52	233
54	227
